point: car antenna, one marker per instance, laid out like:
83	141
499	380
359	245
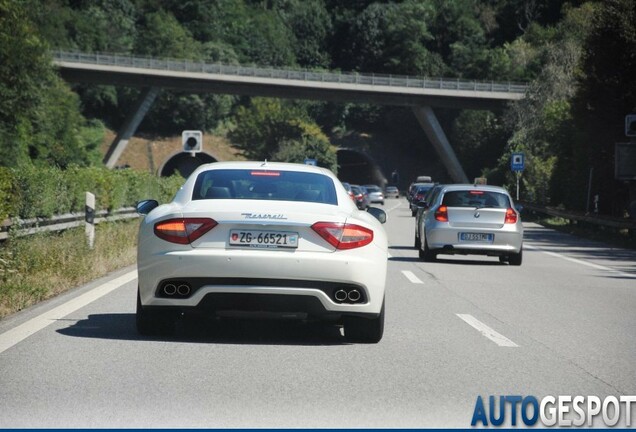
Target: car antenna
264	163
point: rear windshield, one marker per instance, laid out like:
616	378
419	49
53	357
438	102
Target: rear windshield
258	184
475	198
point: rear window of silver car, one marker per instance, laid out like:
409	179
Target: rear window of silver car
258	184
476	198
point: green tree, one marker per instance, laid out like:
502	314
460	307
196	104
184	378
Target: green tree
39	115
607	93
161	35
312	143
310	24
263	125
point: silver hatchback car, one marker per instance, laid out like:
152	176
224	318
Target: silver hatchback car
471	220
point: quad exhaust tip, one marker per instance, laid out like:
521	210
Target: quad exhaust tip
347	296
176	289
354	295
340	295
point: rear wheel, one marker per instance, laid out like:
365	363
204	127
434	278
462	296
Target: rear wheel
418	243
516	259
365	330
153	322
427	255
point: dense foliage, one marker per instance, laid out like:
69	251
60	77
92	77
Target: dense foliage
577	55
30	192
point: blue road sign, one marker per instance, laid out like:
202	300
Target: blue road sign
517	162
313	162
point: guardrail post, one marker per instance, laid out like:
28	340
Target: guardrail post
89	218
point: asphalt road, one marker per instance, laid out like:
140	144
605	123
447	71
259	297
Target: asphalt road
563	323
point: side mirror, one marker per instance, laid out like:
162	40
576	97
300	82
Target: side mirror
519	207
146	206
421	204
377	213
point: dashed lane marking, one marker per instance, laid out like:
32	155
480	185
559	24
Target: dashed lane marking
491	334
411	277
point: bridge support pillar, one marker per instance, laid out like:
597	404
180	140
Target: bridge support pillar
146	99
427	119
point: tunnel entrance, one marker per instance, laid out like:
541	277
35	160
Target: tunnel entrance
356	167
184	163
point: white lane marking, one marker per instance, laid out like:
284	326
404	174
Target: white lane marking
497	338
23	331
410	276
398	205
581	262
388	255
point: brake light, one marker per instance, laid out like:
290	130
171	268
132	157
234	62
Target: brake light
343	236
511	216
265	173
183	230
441	214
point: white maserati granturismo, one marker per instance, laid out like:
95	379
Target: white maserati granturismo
262	239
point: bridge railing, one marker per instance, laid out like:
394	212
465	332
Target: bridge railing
288	74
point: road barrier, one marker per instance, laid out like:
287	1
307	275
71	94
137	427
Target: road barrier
593	219
24	227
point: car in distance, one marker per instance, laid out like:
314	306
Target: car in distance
347	187
376	196
471	219
361	197
422	207
273	239
413	188
391	192
418	195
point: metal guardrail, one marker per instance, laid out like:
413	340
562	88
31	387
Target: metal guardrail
617	223
288	74
61	222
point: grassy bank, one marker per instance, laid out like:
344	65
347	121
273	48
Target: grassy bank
37	267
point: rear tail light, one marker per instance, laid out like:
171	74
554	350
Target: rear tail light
441	214
183	230
343	236
511	216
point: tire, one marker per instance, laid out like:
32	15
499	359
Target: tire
364	330
426	254
503	259
418	243
153	323
516	259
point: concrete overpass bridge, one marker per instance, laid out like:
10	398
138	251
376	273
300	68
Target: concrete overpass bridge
152	75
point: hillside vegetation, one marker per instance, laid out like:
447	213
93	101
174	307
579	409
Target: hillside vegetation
578	56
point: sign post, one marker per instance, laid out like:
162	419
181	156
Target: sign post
89	217
517	164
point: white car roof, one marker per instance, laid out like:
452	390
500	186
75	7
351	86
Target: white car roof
280	166
456	187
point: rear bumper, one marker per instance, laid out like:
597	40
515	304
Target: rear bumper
279	281
445	240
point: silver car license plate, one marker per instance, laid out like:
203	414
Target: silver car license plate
476	237
264	239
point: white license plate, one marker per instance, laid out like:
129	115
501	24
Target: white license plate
476	237
264	239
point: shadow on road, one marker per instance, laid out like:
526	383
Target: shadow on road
620	259
225	331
